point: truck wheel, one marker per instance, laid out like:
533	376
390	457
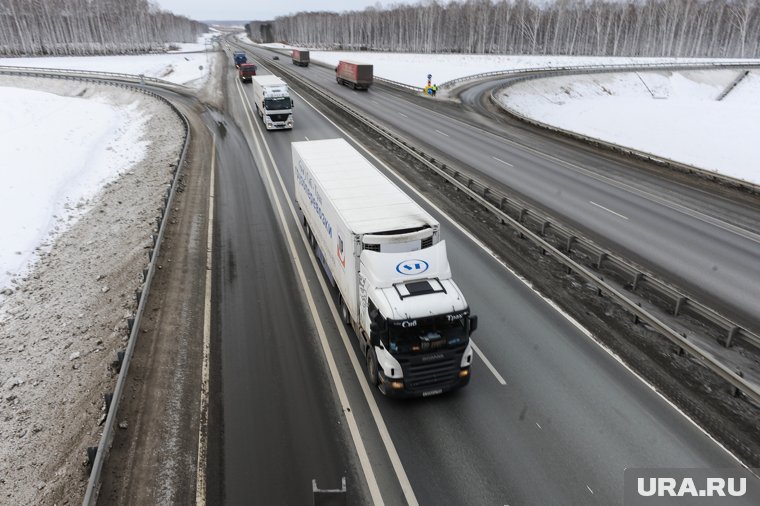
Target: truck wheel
371	368
344	314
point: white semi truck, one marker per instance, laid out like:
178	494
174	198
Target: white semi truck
384	255
272	101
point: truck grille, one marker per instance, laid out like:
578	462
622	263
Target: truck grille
427	242
420	375
371	247
277	118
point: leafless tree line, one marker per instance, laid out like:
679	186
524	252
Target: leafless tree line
85	27
685	28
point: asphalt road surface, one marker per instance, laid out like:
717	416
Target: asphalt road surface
561	427
705	240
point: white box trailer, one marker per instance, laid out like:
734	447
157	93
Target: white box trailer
272	102
384	255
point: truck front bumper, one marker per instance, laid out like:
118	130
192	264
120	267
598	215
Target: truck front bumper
397	388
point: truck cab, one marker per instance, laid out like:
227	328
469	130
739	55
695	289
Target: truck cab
419	322
239	57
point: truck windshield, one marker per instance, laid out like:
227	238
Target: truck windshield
427	334
277	104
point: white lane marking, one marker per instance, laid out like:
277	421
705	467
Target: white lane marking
589	489
607	209
488	363
364	461
693	213
374	102
538	425
404	115
442	133
200	479
502	161
526	282
305	137
459	227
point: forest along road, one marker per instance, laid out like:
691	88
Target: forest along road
620	203
561	427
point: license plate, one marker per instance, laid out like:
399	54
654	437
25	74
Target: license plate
432	392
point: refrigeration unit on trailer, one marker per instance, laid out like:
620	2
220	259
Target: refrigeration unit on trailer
272	101
383	254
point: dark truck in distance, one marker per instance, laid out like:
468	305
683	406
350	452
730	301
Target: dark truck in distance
246	71
239	58
354	74
300	57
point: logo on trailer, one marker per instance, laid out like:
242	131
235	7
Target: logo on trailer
412	267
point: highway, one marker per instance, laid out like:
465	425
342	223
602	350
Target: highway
701	238
554	419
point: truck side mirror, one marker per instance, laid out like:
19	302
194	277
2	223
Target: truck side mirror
473	323
292	104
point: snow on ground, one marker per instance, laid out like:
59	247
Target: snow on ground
676	118
673	115
84	169
57	153
203	43
413	69
187	68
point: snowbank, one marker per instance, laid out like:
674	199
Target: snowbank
187	68
673	115
57	153
413	69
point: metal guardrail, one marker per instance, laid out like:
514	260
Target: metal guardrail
100	76
141	295
501	204
387	82
643	155
600	68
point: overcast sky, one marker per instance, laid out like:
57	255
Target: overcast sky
249	10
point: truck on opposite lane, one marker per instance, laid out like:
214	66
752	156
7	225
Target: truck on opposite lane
239	58
300	57
272	101
384	255
353	74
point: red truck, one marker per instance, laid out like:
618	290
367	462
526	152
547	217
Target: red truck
353	74
246	71
300	57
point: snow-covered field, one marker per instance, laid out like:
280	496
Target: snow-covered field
57	153
84	169
186	66
674	115
680	119
413	69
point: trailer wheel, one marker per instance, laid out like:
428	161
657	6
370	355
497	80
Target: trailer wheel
371	368
344	314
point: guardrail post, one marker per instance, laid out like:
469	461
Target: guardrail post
544	226
679	303
601	258
569	244
329	497
730	337
636	280
736	392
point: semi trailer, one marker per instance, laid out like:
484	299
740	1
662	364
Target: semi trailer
384	255
354	74
300	57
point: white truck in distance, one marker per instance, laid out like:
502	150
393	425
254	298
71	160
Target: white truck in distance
383	253
273	102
